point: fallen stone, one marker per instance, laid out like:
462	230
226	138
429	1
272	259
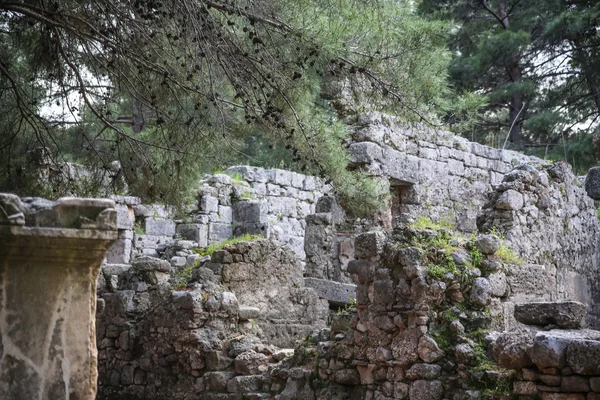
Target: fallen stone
567	314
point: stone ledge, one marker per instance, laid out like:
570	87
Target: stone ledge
334	292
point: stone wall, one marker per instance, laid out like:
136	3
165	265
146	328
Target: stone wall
432	172
553	357
245	200
549	220
50	255
159	338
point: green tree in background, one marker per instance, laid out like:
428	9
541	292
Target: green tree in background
172	89
538	63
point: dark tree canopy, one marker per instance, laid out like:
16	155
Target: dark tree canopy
537	62
174	88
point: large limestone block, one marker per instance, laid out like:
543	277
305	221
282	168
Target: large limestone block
566	314
50	257
334	292
583	356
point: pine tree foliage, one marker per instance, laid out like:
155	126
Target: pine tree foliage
174	88
538	63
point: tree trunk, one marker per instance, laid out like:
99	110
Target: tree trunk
514	71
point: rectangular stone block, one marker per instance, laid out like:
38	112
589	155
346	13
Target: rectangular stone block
364	153
195	232
250	212
159	226
125	216
219	232
310	183
225	214
335	292
282	206
119	252
209	203
402	167
280	177
297	180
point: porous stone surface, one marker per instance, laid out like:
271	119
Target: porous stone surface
565	314
592	183
50	255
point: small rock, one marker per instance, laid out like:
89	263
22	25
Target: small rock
592	183
283	353
423	371
510	200
488	244
480	292
246	313
429	350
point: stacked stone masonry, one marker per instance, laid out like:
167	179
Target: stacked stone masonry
245	200
151	332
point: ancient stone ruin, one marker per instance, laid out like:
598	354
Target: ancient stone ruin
479	280
50	256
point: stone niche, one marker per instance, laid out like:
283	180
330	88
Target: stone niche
50	256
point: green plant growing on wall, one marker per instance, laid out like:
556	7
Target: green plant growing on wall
427	223
211	248
138	228
504	254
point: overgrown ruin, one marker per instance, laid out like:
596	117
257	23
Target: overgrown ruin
480	280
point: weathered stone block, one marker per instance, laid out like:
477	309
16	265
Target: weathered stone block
510	349
364	153
510	200
426	390
566	314
195	232
549	351
159	226
219	232
369	245
583	356
125	216
334	292
119	252
209	203
250	212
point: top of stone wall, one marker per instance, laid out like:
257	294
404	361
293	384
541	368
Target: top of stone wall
391	131
68	212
